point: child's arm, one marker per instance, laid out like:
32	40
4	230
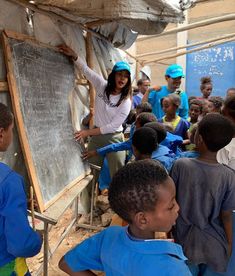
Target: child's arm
146	95
227	219
64	267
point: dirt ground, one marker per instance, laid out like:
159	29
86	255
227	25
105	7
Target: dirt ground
74	237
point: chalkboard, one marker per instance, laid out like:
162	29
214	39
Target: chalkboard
40	81
217	62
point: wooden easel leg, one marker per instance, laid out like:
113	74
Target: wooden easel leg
45	259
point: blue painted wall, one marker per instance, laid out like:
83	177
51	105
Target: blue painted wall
217	62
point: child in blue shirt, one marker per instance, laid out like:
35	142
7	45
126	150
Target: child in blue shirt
17	239
180	126
142	194
205	191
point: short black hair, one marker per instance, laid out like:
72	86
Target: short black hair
160	130
145	140
146	117
229	105
6	117
216	131
134	188
196	102
144	107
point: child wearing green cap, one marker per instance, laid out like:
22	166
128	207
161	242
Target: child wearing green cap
173	76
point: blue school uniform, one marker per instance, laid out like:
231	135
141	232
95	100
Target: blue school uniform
155	100
17	238
165	156
181	128
115	253
173	142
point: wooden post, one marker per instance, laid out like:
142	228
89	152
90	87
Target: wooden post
90	63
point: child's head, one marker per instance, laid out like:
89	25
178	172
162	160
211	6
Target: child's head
143	85
143	194
143	107
6	126
206	86
144	142
215	104
143	118
230	92
170	104
214	132
160	130
229	108
119	80
195	109
173	76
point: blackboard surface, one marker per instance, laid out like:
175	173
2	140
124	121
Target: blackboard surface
44	79
217	62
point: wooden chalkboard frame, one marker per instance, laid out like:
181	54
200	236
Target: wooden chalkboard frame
14	93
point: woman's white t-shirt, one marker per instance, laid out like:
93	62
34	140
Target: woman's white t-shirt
108	117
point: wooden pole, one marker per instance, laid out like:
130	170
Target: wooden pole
190	51
185	46
32	206
202	23
90	63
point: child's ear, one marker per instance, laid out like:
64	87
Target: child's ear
1	135
141	220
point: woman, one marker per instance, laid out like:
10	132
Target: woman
112	106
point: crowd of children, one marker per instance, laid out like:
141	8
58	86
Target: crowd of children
202	129
178	178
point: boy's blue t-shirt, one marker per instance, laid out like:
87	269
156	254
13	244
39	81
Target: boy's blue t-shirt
155	100
17	238
113	252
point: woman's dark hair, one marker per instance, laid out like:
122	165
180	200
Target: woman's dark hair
125	92
6	117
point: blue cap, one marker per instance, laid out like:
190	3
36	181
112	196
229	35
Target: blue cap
120	66
174	71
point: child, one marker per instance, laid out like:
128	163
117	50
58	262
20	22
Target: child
205	191
170	104
195	110
144	143
227	154
206	87
215	104
17	239
142	194
230	92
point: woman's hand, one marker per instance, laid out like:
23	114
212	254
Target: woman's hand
87	154
68	51
81	134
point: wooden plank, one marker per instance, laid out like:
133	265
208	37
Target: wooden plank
191	50
55	210
4	86
195	25
19	120
90	63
